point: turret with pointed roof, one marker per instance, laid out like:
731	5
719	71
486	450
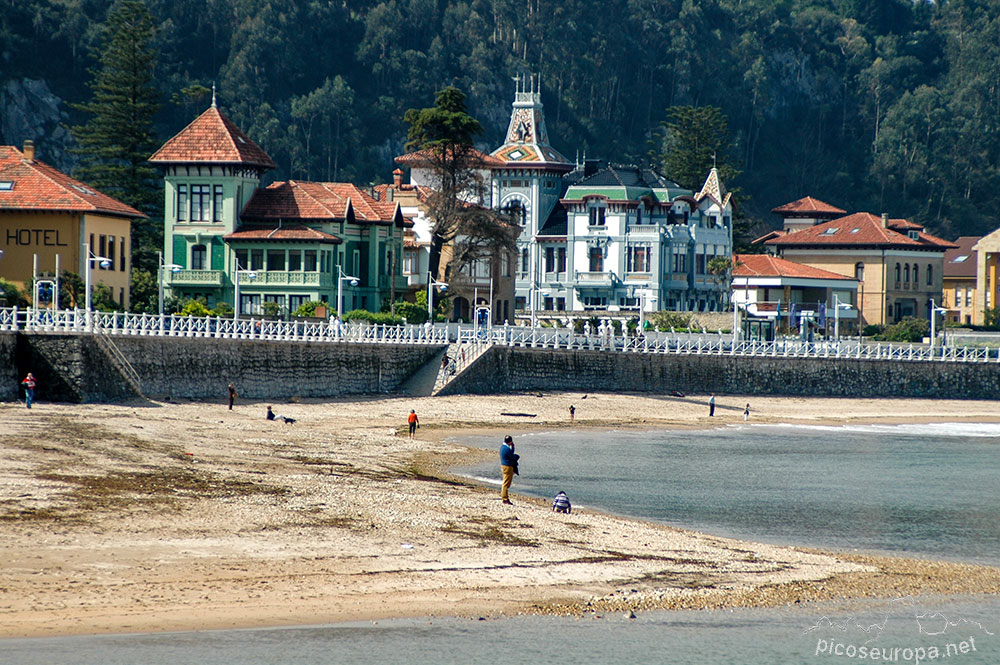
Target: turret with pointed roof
527	142
212	138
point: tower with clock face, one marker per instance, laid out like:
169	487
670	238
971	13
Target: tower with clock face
529	184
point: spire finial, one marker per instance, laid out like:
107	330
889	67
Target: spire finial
213	95
713	160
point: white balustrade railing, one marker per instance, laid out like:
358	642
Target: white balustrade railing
603	339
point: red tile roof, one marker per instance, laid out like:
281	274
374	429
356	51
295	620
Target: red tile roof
212	138
857	230
960	261
426	157
319	201
39	187
765	265
287	233
807	206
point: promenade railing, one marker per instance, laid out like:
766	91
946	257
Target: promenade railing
128	324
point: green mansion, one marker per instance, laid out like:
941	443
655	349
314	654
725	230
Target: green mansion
288	243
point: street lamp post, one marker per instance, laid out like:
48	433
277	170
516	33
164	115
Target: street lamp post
173	267
236	289
104	263
431	283
341	278
837	306
935	310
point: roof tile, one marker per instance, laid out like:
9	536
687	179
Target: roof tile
213	138
765	265
859	229
807	206
38	186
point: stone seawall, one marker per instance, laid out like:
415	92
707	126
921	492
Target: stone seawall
198	368
76	368
9	371
504	369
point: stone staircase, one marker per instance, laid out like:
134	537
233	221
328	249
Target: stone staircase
461	356
119	362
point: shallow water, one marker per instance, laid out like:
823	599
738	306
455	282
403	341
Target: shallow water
924	490
745	637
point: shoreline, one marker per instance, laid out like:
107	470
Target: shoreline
121	518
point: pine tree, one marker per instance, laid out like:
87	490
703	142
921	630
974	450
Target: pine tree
118	138
445	134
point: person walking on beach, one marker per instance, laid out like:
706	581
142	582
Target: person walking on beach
232	396
711	405
572	413
508	467
414	422
746	413
29	389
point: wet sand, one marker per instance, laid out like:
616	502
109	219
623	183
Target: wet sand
165	516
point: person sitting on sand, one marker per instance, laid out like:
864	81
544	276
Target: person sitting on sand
271	416
561	503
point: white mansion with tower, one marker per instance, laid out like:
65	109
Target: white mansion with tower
599	237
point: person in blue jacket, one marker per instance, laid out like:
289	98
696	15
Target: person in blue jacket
508	466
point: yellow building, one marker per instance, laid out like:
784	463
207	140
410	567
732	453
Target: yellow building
987	269
960	287
44	213
899	267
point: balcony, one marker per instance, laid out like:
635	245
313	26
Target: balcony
285	278
595	278
210	278
554	277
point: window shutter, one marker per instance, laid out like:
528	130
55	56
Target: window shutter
218	253
180	251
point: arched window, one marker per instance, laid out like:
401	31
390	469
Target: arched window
198	254
916	274
930	275
516	210
859	271
897	273
906	273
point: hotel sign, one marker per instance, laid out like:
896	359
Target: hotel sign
38	237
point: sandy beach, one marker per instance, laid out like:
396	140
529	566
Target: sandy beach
160	516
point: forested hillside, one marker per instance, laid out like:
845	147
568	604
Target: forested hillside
872	105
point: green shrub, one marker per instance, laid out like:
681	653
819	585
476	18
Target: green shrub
308	308
11	294
377	318
872	330
222	308
272	310
664	321
910	329
411	311
193	307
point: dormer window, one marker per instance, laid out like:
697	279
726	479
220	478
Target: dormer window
914	235
596	215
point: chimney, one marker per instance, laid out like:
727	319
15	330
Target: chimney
397	178
885	220
29	150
